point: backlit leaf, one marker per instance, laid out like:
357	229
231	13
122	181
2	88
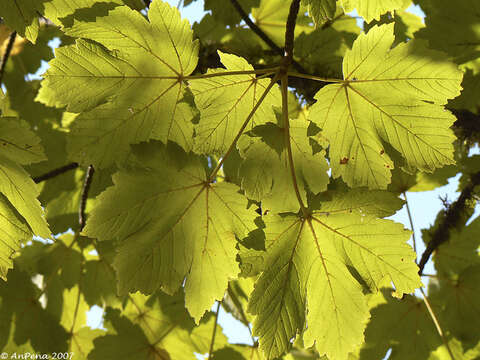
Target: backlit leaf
388	95
174	224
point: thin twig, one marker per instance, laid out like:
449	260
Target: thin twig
411	224
227	73
83	202
287	59
6	55
288	144
313	77
212	341
437	324
243	127
451	220
261	34
55	172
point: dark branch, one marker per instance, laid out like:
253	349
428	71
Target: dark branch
6	55
83	201
467	126
452	219
256	29
290	31
55	172
263	36
147	3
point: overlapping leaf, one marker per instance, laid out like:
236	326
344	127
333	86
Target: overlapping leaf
20	211
166	324
310	261
22	15
404	326
372	9
392	96
138	82
174	224
265	173
460	39
321	10
224	103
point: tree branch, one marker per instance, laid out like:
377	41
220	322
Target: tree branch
262	35
6	55
290	31
452	219
55	172
83	202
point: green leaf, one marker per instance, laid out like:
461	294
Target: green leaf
160	326
271	17
265	175
174	224
58	10
225	13
20	147
323	49
372	9
224	103
403	325
321	10
460	251
18	143
388	95
457	300
319	261
32	323
460	39
21	16
140	75
128	339
14	231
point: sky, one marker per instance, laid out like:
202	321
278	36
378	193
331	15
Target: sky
424	206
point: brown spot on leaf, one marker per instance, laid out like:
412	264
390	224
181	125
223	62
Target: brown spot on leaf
382	152
344	161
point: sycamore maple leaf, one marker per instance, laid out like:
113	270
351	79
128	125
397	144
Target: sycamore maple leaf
392	96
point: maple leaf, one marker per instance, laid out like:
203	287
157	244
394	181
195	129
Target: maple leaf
321	10
23	15
388	95
309	261
371	9
225	101
138	76
179	226
21	213
265	175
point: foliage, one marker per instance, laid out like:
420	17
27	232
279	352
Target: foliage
249	163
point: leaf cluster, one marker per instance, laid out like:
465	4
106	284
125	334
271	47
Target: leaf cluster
247	163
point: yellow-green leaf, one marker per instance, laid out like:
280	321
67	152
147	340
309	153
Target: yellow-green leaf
388	95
